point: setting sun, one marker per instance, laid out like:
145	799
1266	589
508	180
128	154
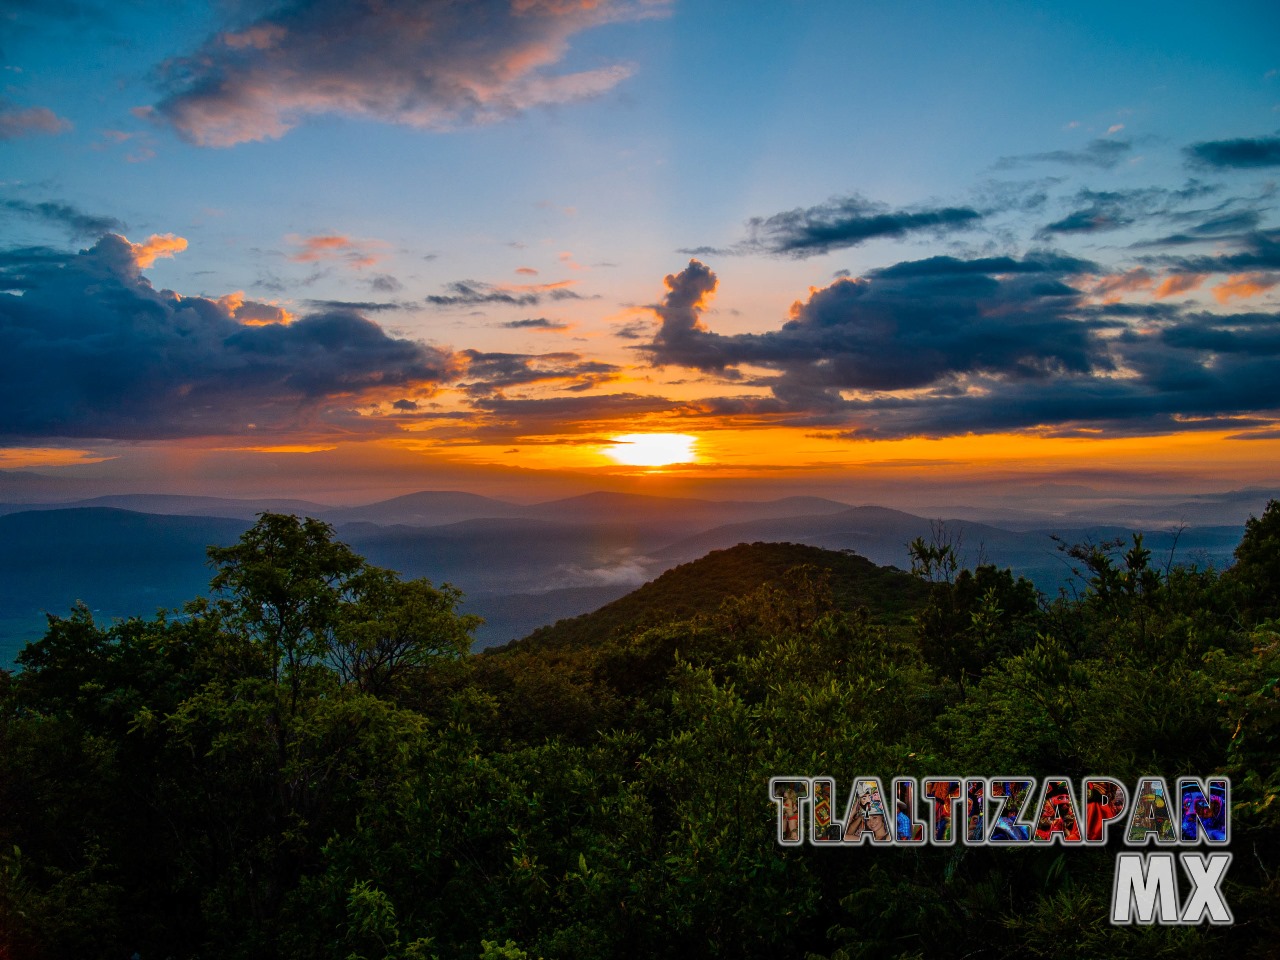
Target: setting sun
652	449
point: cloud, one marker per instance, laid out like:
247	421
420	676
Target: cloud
535	323
633	330
432	65
470	293
1177	283
948	346
1244	285
91	349
508	419
1255	250
253	313
491	373
682	337
383	283
1103	154
1221	225
1111	287
356	306
896	329
334	247
1242	154
1101	210
76	222
846	222
18	121
1091	220
155	247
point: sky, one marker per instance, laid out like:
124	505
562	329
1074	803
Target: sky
910	253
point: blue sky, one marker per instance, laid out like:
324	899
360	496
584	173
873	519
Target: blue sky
491	195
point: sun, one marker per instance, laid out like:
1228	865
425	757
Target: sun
652	449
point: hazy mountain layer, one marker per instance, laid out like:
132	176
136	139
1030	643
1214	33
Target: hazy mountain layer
520	566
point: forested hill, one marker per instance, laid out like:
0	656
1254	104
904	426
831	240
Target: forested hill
309	764
701	586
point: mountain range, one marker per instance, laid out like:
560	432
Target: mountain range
520	566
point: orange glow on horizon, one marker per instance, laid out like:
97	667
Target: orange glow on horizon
1212	458
288	448
17	458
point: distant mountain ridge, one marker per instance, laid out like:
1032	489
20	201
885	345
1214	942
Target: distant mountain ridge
521	566
440	507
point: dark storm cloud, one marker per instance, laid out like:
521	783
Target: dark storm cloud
1041	262
91	349
948	346
905	327
75	221
1076	407
846	222
681	338
435	65
1103	154
1242	154
1255	334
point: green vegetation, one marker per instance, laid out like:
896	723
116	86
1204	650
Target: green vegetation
685	591
309	764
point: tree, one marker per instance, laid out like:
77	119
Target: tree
283	585
393	627
1257	567
310	603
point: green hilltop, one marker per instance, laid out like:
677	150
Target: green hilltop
702	585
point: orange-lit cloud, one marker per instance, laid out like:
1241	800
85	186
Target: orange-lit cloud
252	313
1244	286
1111	287
16	458
289	448
354	253
1177	283
156	246
536	287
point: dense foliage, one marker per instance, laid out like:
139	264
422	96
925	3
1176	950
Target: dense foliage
310	764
